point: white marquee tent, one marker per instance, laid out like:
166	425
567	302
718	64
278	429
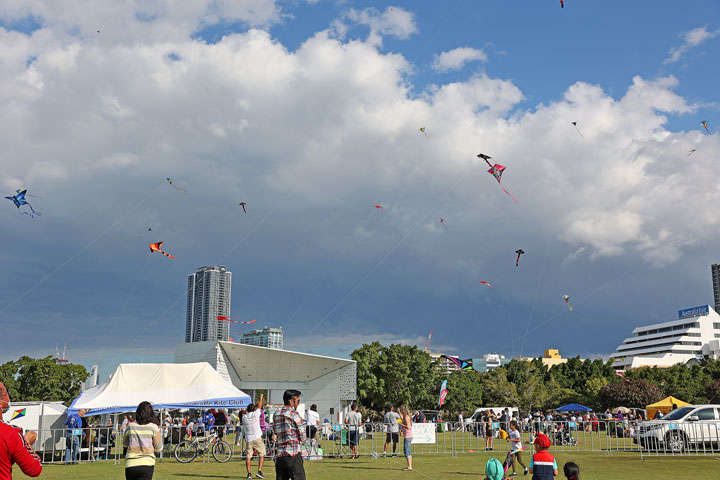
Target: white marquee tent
164	385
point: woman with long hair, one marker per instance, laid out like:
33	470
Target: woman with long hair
406	427
142	439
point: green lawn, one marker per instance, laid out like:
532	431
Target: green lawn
594	466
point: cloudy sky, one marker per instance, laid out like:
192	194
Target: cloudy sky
309	111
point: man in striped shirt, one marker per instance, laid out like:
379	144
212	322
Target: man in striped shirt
289	427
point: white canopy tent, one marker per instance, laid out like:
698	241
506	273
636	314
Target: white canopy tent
164	385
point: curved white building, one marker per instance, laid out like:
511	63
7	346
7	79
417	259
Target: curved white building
693	335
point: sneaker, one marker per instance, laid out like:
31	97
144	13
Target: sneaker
513	474
526	471
384	455
259	474
394	454
249	475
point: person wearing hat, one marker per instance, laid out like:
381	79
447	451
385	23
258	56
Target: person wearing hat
542	465
14	446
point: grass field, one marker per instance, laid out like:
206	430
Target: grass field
594	466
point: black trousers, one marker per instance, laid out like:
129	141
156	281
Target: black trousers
142	472
287	468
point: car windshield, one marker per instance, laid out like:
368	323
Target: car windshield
678	414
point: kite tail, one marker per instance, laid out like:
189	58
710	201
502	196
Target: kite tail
166	254
503	189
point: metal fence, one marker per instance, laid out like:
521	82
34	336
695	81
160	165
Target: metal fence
376	439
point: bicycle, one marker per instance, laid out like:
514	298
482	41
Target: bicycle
187	450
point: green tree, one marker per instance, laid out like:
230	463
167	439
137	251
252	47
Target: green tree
631	393
465	392
397	374
42	379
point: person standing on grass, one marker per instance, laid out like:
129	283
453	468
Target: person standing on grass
515	445
142	438
543	465
72	438
406	426
312	418
393	428
489	431
16	447
353	421
253	436
289	428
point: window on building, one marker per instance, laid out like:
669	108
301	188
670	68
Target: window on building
716	325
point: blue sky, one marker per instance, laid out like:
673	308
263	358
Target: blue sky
309	111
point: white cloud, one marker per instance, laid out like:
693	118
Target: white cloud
457	58
693	38
393	21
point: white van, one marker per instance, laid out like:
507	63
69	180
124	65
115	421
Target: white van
476	416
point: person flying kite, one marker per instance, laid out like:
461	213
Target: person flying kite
496	171
704	123
242	204
19	200
422	130
155	247
567	300
578	130
170	181
519	252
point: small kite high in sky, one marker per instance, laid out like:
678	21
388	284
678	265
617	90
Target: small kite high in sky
496	171
170	181
228	318
155	247
422	130
562	5
519	252
691	152
567	300
578	130
487	283
378	207
442	222
19	200
704	123
242	204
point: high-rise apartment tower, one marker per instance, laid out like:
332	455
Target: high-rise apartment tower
208	297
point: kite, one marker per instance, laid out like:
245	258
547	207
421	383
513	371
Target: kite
227	318
27	194
691	152
578	130
18	414
519	252
567	300
242	204
170	181
496	171
442	222
704	123
378	207
443	393
562	5
19	200
487	283
422	130
461	364
155	247
427	344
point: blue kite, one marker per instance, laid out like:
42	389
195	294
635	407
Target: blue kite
19	200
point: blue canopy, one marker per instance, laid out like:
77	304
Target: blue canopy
574	407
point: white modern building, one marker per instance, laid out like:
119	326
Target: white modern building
692	336
445	364
208	296
489	361
267	337
331	383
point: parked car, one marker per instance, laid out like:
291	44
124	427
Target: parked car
684	428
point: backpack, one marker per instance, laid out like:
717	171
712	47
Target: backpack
494	469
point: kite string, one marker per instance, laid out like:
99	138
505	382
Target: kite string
317	284
397	244
537	291
81	250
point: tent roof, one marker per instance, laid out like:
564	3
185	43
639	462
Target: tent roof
668	402
574	407
165	385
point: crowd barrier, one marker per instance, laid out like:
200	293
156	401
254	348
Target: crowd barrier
448	438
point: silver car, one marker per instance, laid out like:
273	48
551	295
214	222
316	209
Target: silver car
691	427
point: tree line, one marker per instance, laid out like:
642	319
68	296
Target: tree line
42	379
403	374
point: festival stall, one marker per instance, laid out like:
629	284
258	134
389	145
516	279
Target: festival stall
574	407
665	406
164	385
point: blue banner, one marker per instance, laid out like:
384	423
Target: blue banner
694	312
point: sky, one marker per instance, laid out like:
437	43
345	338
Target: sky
309	111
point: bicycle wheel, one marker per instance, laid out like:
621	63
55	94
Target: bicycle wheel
185	452
221	451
